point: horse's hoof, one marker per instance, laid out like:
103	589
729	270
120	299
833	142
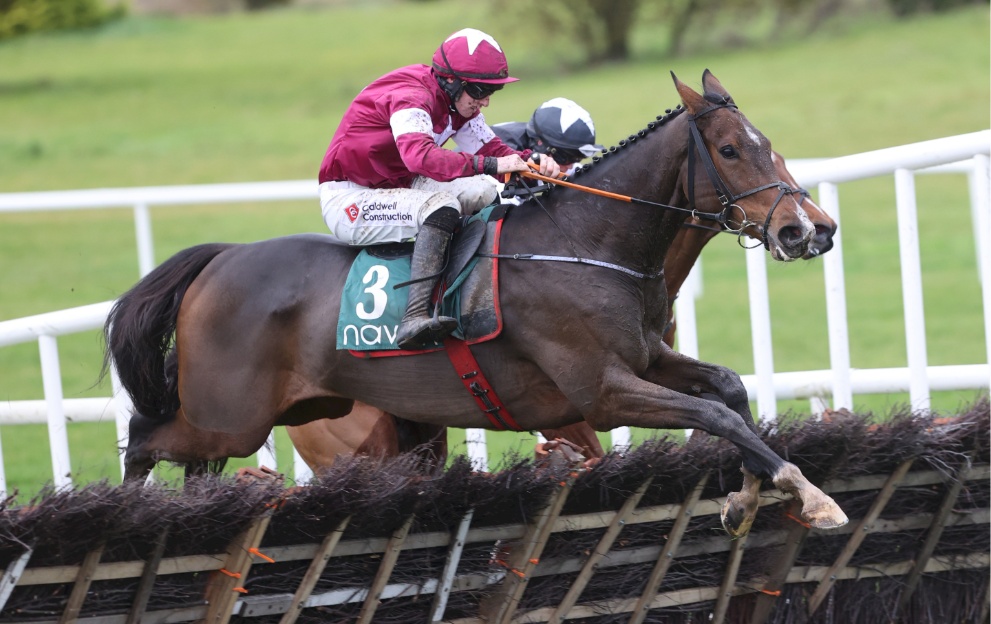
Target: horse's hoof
736	521
819	511
825	514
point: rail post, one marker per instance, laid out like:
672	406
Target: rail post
51	378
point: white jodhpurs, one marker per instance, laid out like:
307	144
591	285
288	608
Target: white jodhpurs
357	215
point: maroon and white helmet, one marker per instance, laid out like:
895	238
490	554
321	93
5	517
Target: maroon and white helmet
472	56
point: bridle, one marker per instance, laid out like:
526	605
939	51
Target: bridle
726	197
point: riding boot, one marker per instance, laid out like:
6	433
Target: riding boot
419	328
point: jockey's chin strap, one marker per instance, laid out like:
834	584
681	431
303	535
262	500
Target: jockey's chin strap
725	196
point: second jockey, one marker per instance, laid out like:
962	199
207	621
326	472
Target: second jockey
559	127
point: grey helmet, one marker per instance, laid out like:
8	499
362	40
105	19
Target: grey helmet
564	129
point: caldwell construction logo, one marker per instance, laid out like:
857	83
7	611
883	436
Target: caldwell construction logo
352	211
382	211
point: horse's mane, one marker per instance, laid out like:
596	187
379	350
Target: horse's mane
659	121
656	123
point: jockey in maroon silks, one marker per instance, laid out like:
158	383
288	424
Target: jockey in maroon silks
385	177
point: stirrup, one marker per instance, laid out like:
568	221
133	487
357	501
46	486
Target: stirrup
425	331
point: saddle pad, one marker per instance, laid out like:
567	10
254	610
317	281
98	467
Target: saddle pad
371	306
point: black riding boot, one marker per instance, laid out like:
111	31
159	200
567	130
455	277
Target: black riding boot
419	328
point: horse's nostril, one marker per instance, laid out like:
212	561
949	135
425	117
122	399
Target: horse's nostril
823	239
791	236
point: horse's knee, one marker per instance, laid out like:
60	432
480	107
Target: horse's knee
732	385
728	388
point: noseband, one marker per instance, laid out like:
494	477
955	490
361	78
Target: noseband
726	197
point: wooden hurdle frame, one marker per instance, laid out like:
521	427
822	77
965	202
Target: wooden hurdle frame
507	583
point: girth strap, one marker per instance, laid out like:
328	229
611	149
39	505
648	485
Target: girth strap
477	385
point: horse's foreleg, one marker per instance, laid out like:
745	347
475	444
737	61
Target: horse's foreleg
629	400
718	383
200	468
137	469
693	377
818	509
740	509
690	376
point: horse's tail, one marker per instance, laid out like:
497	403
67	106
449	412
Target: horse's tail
140	331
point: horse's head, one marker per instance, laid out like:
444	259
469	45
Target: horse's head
825	226
730	170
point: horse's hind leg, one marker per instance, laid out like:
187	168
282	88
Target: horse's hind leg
138	462
176	440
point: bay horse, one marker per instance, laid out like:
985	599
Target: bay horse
222	342
368	430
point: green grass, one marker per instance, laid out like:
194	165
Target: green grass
252	97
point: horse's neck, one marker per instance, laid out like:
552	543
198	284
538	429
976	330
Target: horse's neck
629	233
682	254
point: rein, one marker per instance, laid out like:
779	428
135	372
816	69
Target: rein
720	217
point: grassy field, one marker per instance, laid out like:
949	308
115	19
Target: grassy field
252	97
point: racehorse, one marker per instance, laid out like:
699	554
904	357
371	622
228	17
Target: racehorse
370	431
222	342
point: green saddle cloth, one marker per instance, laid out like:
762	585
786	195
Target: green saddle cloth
371	306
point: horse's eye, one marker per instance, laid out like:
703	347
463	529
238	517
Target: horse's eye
727	151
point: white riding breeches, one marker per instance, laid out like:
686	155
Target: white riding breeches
357	215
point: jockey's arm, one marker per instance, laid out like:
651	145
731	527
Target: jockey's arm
476	137
422	156
412	131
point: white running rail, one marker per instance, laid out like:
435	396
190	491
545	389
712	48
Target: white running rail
964	153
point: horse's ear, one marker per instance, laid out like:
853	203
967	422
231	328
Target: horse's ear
693	101
712	86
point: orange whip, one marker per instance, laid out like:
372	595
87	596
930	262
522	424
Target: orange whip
719	218
594	191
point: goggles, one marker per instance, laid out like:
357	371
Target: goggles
572	155
480	90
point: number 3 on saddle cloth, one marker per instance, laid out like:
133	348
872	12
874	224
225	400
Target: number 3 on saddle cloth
371	306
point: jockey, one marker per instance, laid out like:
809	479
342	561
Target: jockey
385	177
559	128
